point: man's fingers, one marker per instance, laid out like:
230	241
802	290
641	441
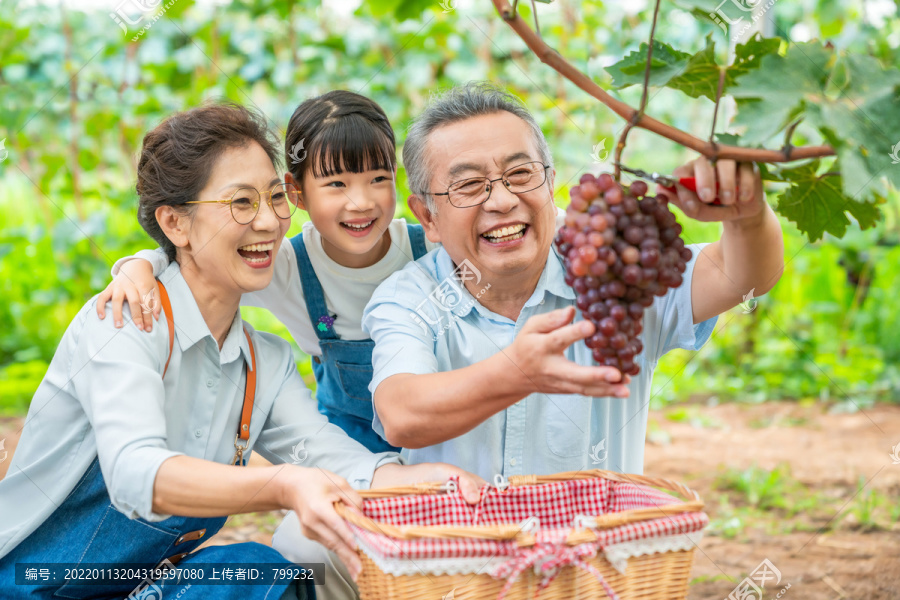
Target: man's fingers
564	337
726	169
705	178
747	181
471	488
547	322
574	378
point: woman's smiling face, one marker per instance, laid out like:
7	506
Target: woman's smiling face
230	257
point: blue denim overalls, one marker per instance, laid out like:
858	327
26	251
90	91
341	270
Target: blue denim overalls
87	529
344	370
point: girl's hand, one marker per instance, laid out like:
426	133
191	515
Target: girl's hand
311	493
136	284
397	475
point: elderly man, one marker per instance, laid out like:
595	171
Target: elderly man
477	359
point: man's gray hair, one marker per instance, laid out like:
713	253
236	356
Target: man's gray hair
457	104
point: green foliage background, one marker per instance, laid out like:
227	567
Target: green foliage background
77	94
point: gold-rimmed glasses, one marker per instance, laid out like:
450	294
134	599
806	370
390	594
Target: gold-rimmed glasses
244	202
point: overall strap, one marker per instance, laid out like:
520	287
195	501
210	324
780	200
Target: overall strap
417	240
312	292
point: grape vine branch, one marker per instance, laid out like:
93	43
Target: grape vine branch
636	117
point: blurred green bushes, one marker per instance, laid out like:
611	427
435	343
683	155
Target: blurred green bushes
76	96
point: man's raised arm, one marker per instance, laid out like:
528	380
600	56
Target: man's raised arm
750	254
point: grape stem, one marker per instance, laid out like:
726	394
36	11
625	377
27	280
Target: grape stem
552	58
636	117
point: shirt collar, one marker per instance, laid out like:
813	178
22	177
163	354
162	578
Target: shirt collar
552	281
191	327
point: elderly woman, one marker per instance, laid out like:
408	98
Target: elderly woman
134	446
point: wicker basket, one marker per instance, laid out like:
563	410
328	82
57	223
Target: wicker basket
634	543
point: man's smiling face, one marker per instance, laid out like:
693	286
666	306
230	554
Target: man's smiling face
510	234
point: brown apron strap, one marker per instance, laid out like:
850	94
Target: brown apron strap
170	321
243	432
249	392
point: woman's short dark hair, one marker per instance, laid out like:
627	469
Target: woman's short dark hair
178	157
339	131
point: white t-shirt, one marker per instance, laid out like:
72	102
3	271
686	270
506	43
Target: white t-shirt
347	290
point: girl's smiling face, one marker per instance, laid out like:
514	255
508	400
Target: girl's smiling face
352	212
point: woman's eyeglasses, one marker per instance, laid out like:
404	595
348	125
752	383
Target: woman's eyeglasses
244	202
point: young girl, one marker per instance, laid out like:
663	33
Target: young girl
340	153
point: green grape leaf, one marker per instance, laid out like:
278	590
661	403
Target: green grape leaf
665	64
817	204
696	75
700	76
852	100
749	55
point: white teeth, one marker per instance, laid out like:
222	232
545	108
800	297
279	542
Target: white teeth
503	232
255	260
258	247
358	227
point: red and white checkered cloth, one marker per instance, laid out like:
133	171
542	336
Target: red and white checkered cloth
555	505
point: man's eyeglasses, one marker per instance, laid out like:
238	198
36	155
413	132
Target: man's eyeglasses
244	202
476	190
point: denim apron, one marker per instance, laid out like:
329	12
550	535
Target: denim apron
86	529
344	371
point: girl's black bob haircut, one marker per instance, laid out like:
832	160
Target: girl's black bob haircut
338	132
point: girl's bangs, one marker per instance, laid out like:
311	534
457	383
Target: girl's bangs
352	145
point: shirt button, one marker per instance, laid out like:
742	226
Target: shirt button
512	462
209	383
198	433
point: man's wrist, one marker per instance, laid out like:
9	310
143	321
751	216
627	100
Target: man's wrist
509	376
751	223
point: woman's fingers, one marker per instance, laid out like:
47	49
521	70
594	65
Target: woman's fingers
317	529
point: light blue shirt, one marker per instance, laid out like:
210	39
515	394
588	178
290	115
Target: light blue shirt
104	395
422	326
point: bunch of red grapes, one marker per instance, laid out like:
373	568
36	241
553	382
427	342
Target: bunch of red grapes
621	248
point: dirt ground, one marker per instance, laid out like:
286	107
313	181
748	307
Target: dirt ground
812	524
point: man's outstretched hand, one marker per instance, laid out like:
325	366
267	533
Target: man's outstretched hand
540	365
